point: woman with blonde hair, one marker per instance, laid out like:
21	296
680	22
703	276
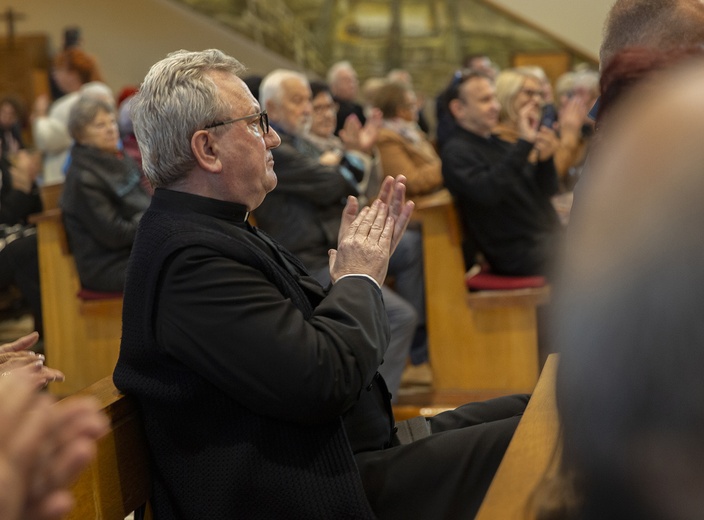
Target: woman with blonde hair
517	89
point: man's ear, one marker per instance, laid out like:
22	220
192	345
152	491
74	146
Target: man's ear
455	106
205	150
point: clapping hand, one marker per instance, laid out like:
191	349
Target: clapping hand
17	355
367	239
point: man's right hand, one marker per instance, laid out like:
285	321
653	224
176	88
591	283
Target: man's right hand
528	121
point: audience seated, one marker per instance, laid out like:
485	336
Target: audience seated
403	146
344	85
303	213
358	147
629	383
102	199
43	445
503	189
258	388
74	71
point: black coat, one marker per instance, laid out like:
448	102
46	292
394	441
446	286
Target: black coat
102	202
244	367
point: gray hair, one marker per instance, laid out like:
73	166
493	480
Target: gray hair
177	98
84	111
335	70
271	86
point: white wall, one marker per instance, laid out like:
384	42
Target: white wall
128	36
578	22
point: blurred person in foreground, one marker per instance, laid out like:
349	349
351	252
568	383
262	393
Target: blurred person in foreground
258	387
43	445
628	319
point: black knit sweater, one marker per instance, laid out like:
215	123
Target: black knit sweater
214	458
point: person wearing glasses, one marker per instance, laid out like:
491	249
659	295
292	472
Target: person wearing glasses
258	387
103	199
303	213
503	186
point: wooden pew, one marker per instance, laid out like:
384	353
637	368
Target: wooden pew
81	337
118	481
477	347
531	455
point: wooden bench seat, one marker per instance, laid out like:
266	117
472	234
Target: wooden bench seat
81	336
478	341
118	481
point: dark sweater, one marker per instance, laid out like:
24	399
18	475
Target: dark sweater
226	447
503	200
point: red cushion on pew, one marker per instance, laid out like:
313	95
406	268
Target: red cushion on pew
87	294
485	280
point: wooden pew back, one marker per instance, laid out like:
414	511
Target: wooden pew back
532	455
118	481
81	338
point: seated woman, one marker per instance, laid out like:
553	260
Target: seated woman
404	148
103	199
353	151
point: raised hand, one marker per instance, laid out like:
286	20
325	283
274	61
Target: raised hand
365	246
15	355
546	143
43	447
363	138
528	121
393	193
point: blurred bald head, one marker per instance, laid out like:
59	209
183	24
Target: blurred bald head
662	24
629	304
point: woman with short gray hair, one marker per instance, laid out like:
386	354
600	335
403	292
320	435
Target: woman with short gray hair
102	199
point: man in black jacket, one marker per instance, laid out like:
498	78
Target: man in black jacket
503	197
258	387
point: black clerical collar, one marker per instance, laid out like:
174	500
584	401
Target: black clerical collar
230	211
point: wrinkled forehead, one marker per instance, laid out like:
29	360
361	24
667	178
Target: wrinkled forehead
233	91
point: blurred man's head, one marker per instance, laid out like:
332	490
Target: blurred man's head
473	103
661	24
343	81
286	96
628	309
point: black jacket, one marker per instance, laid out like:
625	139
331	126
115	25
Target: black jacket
504	201
244	366
102	203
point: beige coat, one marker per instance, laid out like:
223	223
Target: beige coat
418	161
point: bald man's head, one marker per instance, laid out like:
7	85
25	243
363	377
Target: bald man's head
662	24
